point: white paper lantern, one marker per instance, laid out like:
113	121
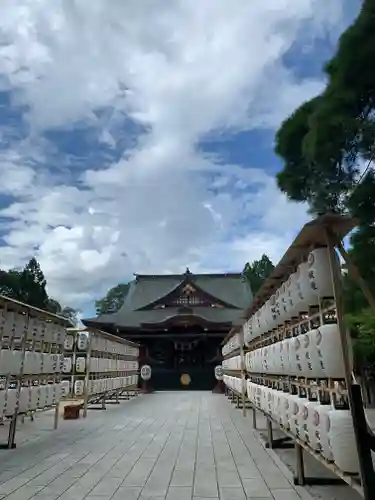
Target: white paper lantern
283	303
69	342
67	367
283	348
316	366
47	363
328	344
312	425
291	362
20	325
10	402
270	402
323	412
293	297
285	410
34	397
308	296
50	392
23	404
43	396
82	341
10	362
32	363
80	364
57	394
320	272
277	307
294	403
298	354
79	386
9	324
342	439
302	431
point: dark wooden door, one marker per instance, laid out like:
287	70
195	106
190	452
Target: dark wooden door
189	378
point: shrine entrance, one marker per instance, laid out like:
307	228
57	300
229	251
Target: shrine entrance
184	361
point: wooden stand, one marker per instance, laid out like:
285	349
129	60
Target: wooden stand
72	412
27	331
107	358
326	231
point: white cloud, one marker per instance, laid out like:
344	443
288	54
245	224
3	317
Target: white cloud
180	70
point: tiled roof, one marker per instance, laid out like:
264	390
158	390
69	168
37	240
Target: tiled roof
230	289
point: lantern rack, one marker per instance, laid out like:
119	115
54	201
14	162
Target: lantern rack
298	359
233	365
99	368
31	354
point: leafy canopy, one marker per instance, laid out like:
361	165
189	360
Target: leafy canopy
257	272
322	142
29	286
113	300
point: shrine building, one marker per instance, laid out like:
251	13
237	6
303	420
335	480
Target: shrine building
180	320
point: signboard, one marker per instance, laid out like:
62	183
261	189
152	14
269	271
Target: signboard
219	372
146	372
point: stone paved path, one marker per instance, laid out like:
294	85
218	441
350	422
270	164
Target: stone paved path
173	446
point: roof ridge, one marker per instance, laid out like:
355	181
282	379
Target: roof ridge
191	275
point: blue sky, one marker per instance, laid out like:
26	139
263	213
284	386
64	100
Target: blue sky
140	138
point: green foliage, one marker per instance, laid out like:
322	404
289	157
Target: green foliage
71	314
29	286
257	272
362	327
67	312
114	299
32	286
321	143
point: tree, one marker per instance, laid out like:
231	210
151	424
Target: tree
33	285
71	314
9	284
29	286
321	143
114	299
257	272
67	312
362	326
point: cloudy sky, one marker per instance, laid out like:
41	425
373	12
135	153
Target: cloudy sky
137	136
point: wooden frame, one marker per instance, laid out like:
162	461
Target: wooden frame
43	338
94	351
327	231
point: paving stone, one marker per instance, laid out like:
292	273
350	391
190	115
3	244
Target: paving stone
232	494
127	493
137	450
285	494
182	477
146	497
179	493
229	478
256	488
140	472
276	480
106	487
205	486
204	498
